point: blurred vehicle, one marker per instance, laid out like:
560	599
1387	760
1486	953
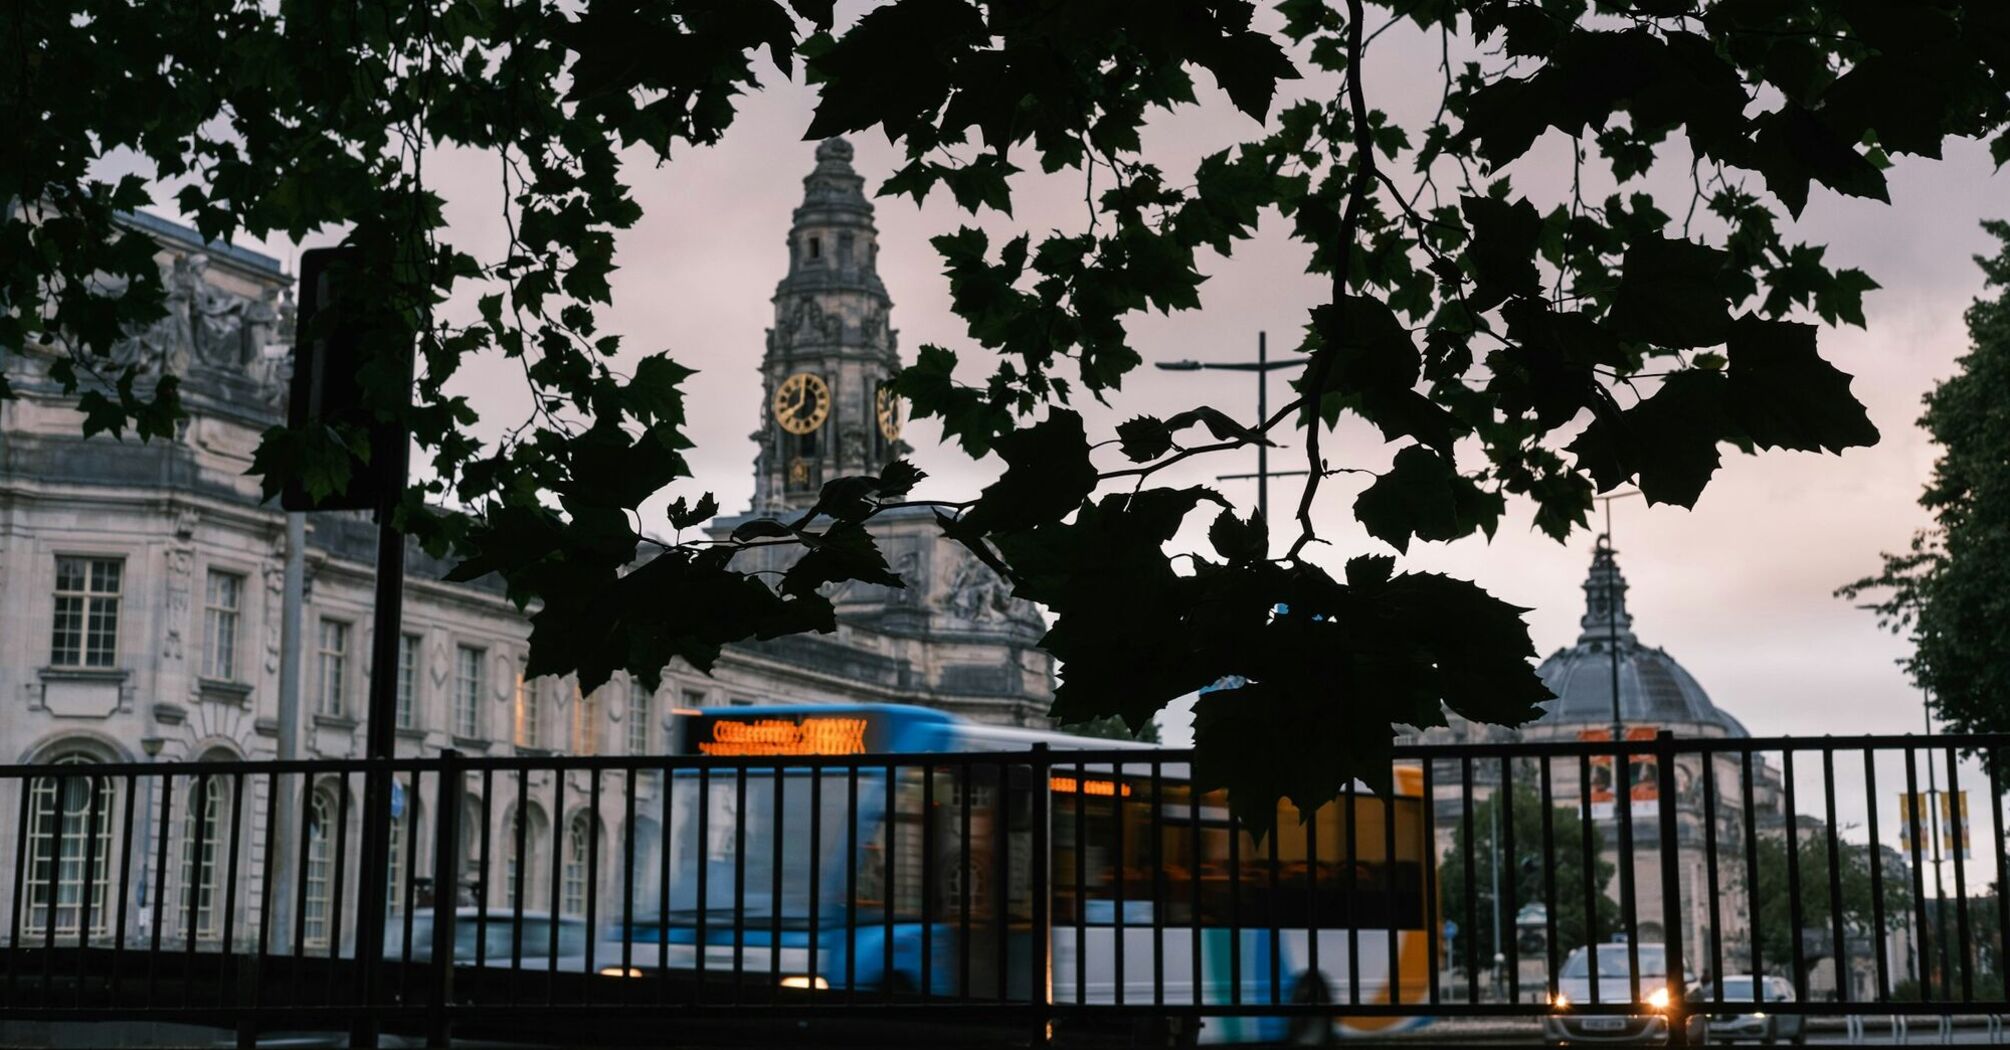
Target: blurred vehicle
494	940
1755	1021
1569	1021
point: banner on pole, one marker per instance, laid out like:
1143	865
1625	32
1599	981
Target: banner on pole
1643	784
1911	821
1954	823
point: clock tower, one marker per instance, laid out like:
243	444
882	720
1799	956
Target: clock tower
953	636
826	411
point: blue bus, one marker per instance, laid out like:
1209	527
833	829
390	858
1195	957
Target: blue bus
918	880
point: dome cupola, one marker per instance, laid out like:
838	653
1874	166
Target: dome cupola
1654	690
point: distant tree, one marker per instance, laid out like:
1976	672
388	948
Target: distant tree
1936	958
1523	876
1111	727
1948	592
1505	335
1776	896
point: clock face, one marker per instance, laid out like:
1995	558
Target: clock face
886	404
802	403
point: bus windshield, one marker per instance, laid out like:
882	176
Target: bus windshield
738	844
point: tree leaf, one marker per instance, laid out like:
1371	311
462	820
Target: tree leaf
1783	395
1668	442
1236	539
1047	475
1670	294
1422	494
1145	438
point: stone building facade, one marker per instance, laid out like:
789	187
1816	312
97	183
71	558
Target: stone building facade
141	598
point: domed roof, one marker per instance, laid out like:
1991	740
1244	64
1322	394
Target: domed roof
1654	690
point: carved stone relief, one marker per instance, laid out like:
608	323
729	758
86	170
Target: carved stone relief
180	566
852	450
205	325
977	595
275	599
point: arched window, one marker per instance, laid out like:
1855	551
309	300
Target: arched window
315	906
521	869
69	849
578	847
645	874
204	848
405	817
473	813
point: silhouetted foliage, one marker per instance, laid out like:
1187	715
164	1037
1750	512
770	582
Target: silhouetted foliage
1504	342
1946	592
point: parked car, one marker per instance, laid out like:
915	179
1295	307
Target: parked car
1569	1022
1755	1021
497	938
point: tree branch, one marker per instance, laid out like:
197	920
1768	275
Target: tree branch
1350	225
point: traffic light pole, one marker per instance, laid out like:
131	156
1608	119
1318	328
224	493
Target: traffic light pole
327	389
380	741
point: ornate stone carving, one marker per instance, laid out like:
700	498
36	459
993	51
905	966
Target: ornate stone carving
442	664
872	326
977	595
208	326
275	597
180	566
808	323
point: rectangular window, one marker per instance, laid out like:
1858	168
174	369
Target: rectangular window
223	601
408	681
641	713
586	723
332	698
86	629
527	734
468	688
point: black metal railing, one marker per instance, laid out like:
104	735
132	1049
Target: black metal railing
1037	891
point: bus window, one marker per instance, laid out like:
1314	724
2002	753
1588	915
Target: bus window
940	837
1103	833
1303	891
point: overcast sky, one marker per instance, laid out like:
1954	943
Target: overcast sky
1738	589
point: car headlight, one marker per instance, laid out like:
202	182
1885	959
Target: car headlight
1658	998
621	971
797	981
1560	1001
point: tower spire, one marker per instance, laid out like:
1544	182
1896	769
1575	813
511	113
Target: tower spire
826	411
1605	617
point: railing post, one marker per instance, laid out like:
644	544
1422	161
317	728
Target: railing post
1671	887
1040	993
446	895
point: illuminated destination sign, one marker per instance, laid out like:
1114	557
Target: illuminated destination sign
1093	788
781	735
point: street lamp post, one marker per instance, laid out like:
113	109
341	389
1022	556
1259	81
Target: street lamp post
1935	830
1262	366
